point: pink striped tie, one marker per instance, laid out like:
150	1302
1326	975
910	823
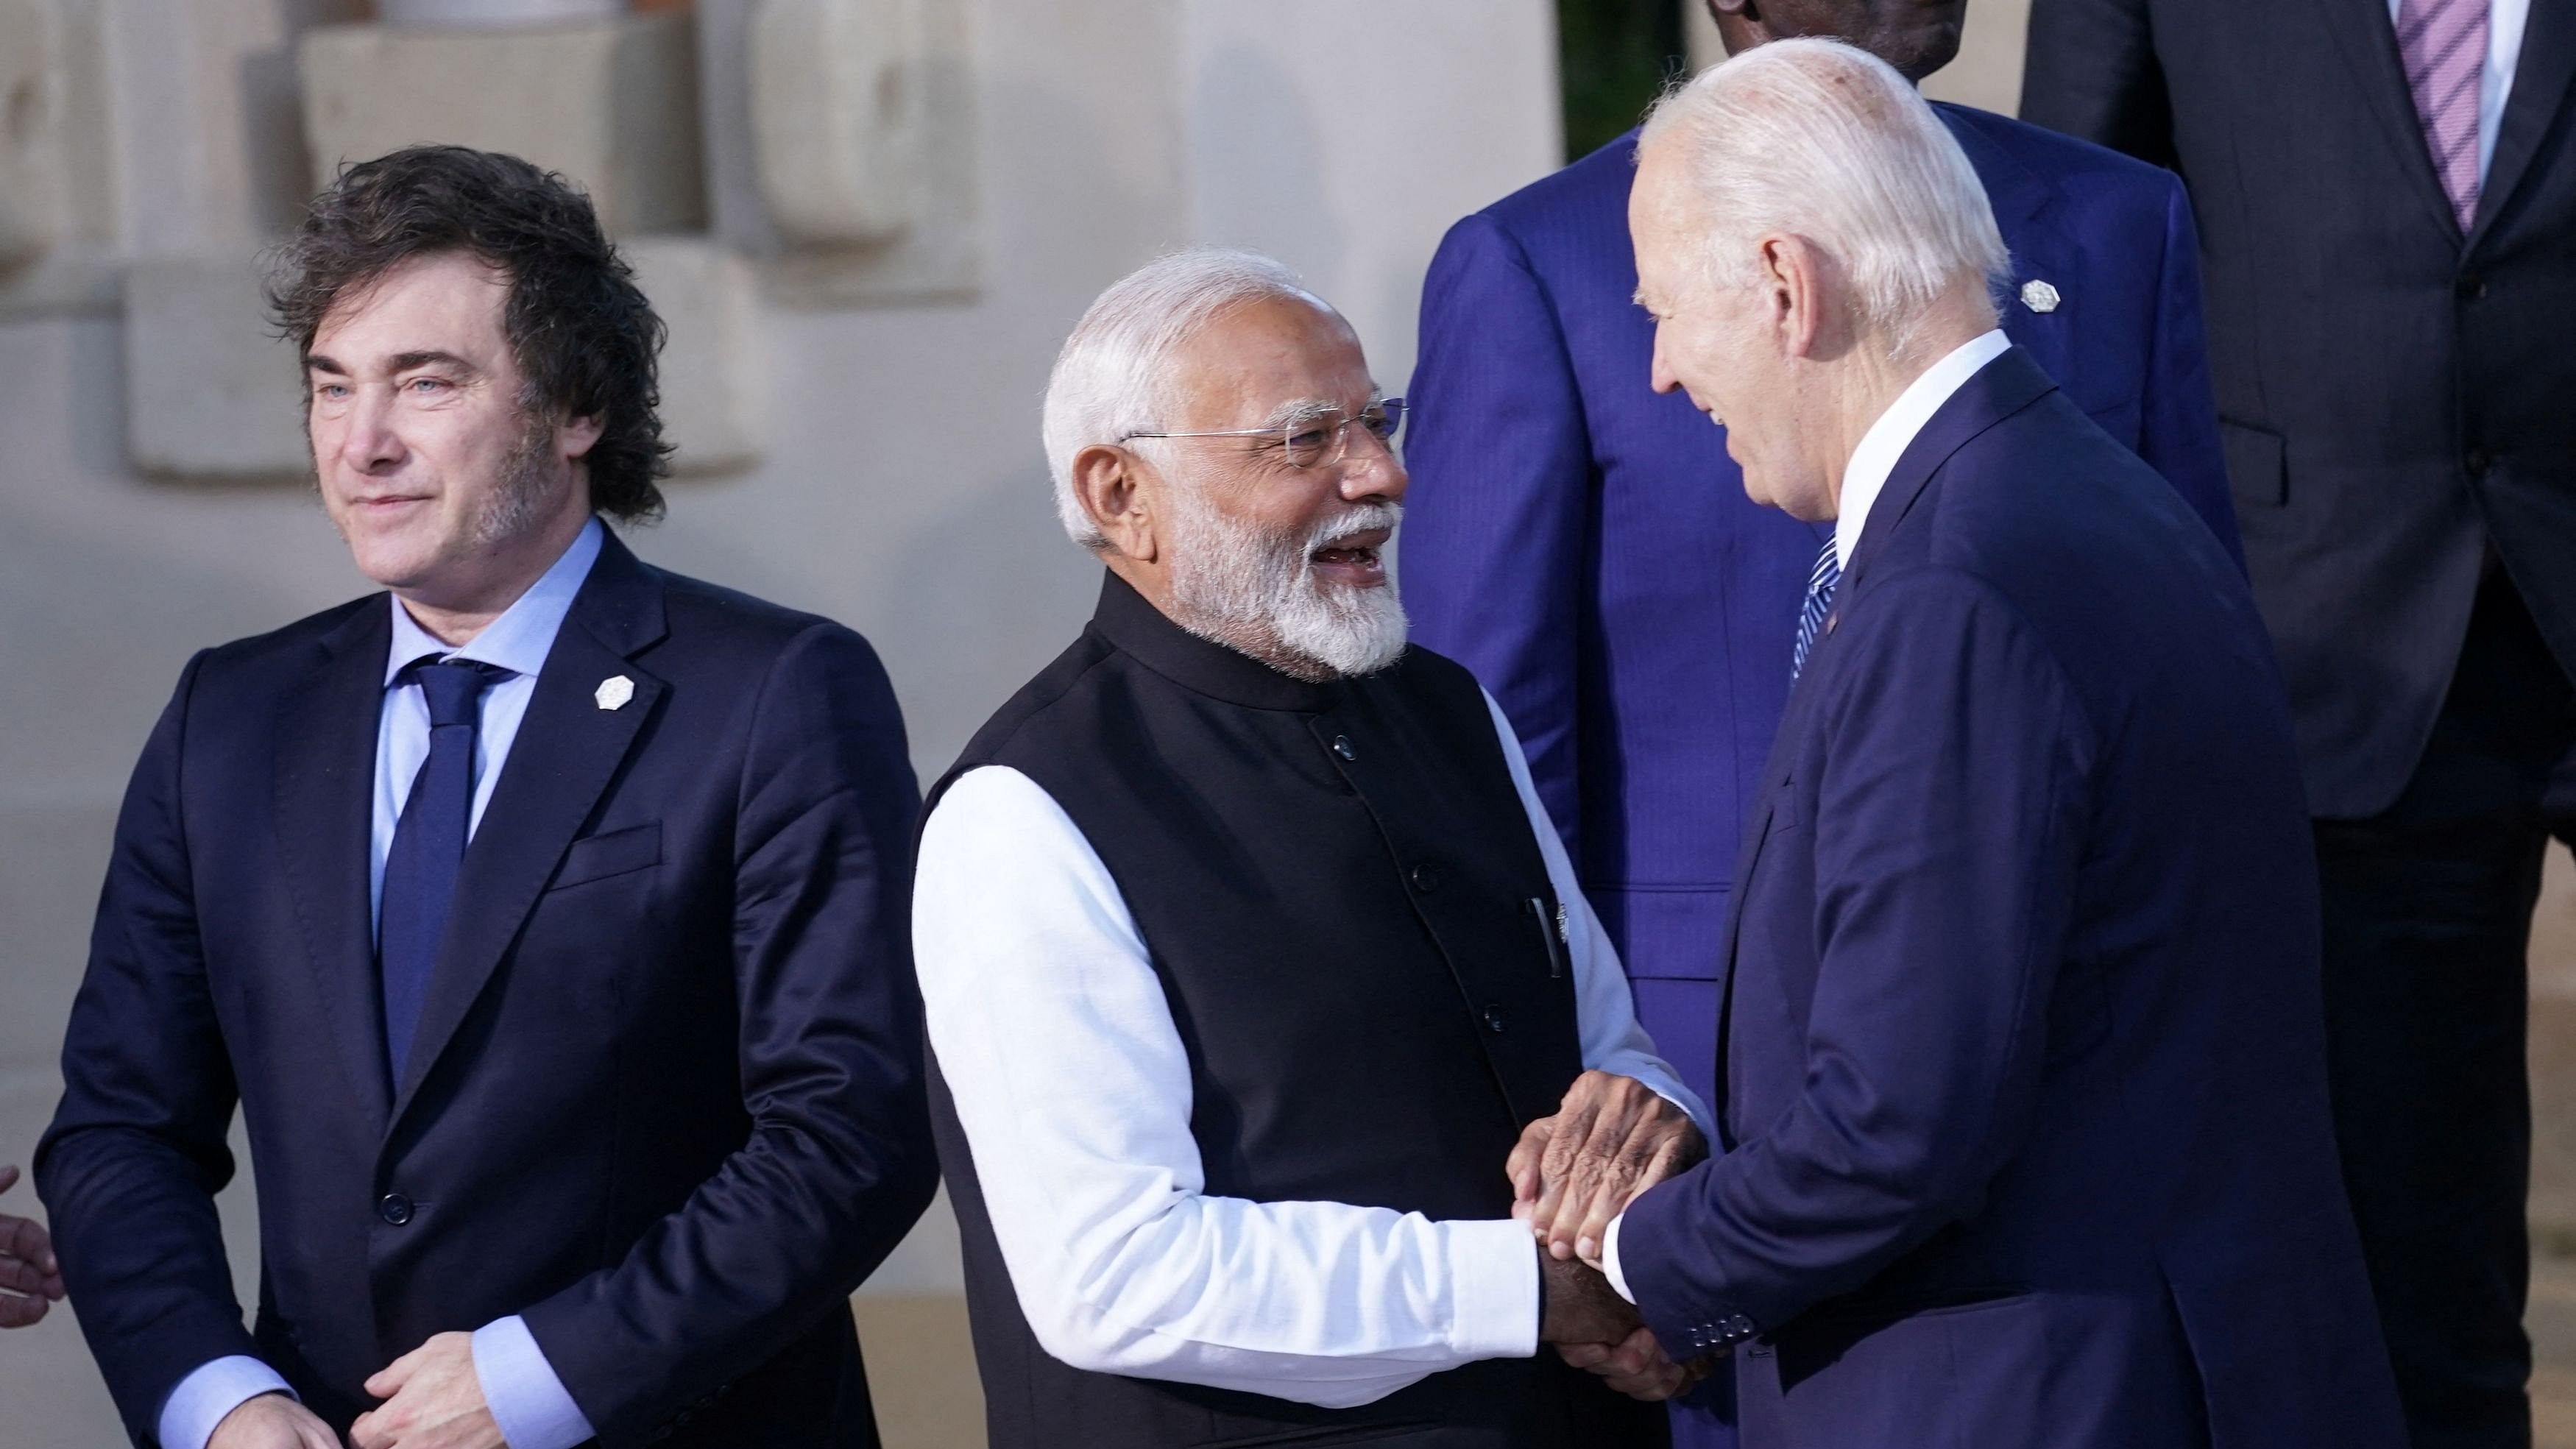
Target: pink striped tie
2444	46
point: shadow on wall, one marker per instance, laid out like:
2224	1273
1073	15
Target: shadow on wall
1258	161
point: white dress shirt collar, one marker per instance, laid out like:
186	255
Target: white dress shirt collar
520	639
1888	438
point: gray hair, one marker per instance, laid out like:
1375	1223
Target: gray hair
1113	377
1820	140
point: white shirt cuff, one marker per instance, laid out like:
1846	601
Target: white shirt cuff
529	1404
1610	1259
210	1391
1493	1267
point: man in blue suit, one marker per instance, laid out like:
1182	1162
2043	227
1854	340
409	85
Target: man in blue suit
2025	1142
1581	544
544	915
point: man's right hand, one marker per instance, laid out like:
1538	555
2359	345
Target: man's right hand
30	1279
1579	1305
272	1421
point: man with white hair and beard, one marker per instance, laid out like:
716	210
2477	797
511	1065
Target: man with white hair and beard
1267	1015
2024	1141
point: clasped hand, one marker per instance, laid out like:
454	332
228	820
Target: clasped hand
1611	1138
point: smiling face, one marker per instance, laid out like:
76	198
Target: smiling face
449	489
1286	563
1723	345
1266	364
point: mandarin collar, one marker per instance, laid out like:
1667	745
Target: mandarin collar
1129	621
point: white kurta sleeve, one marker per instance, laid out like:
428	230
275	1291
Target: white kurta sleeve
1073	1087
1605	1015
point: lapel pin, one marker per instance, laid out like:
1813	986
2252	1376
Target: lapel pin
2039	296
614	691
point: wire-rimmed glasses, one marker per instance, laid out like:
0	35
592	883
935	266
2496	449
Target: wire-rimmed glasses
1318	438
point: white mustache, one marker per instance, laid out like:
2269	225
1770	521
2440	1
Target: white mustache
1358	521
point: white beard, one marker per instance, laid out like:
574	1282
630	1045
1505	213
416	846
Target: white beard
1260	595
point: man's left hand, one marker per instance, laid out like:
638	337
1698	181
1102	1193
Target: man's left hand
1611	1139
432	1400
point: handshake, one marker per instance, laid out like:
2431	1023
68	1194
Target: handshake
1611	1139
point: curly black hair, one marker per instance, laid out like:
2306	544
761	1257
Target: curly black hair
584	335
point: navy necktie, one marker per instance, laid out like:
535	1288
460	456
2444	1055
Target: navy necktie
429	845
1820	601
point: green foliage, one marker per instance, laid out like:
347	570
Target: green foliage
1614	56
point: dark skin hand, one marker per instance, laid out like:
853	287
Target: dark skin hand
1917	37
1638	1366
30	1280
1595	1329
1611	1139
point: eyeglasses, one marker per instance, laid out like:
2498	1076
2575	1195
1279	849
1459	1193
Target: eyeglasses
1318	439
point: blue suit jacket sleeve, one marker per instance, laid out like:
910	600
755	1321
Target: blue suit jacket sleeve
1946	821
837	1164
1497	522
2178	433
136	1153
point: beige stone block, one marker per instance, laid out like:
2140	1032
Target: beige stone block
839	117
58	233
209	390
710	363
840	146
611	104
31	85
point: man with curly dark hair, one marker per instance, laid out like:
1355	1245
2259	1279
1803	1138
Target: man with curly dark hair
544	915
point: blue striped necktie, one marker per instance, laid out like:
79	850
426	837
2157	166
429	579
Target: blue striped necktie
429	845
1820	601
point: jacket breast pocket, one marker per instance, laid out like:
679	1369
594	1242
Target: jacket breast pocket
596	857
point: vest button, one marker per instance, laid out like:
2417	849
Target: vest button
1425	879
1342	747
1493	1018
394	1208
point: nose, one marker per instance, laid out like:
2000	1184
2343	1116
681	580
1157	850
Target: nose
1659	373
1370	469
370	444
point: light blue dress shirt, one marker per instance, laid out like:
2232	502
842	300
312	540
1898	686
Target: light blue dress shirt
527	1400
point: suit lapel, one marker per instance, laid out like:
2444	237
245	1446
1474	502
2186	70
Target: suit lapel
567	750
2540	83
2368	43
2004	386
325	774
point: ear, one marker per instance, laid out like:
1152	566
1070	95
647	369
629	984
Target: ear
1739	24
576	436
1111	484
1793	285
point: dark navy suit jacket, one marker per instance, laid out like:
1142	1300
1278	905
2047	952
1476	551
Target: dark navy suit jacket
666	1095
1585	546
2025	1133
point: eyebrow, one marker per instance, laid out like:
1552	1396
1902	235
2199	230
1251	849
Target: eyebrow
1307	409
402	362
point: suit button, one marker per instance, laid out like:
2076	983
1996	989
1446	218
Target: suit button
394	1208
1493	1018
1342	747
2471	286
1425	879
2478	462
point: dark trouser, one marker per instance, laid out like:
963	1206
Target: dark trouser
2427	922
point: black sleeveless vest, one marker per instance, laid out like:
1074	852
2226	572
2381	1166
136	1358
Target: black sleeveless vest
1356	934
